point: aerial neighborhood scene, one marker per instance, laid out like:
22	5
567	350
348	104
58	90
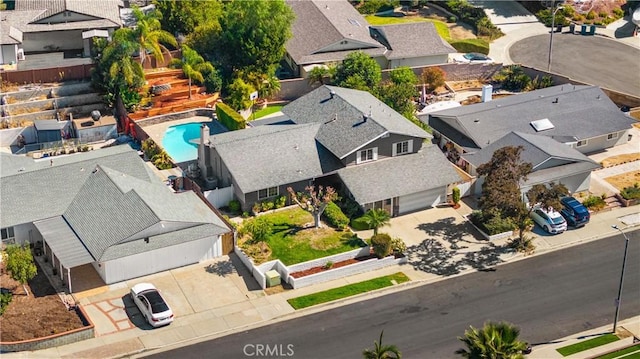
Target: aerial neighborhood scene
320	179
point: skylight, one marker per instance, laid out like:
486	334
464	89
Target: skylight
354	22
542	125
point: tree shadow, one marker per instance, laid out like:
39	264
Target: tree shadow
452	232
487	257
222	269
432	257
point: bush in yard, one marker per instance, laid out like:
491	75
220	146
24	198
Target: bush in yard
267	205
335	217
360	224
280	201
594	203
632	192
20	264
328	265
398	245
455	195
591	15
381	244
150	148
491	223
257	207
259	228
234	206
5	299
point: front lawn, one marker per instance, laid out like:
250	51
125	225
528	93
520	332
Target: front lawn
294	240
347	290
267	111
441	27
632	352
587	344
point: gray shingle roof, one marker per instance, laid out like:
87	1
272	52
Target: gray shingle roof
272	155
104	9
411	40
65	244
399	176
580	112
48	125
343	128
17	20
537	150
320	24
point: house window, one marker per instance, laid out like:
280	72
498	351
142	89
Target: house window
8	236
401	148
268	192
370	154
612	136
581	143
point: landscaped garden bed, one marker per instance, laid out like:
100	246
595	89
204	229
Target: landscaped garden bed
331	265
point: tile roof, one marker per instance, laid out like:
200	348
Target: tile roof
342	114
417	39
272	155
577	112
399	176
321	24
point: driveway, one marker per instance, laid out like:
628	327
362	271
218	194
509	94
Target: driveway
594	60
508	15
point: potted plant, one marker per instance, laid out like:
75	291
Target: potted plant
455	197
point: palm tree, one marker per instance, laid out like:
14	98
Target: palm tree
377	218
193	66
493	341
149	34
382	351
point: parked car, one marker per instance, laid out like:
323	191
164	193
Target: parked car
473	58
151	304
550	220
576	214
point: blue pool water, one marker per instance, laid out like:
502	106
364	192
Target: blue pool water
176	141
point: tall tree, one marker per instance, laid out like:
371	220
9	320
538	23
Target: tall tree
403	75
184	16
318	74
358	71
314	201
193	66
432	77
149	35
377	218
399	97
381	351
493	341
253	36
20	264
239	94
546	196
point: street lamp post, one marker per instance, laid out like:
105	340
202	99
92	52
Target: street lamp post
553	24
624	262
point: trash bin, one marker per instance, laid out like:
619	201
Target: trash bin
559	28
583	30
572	28
592	30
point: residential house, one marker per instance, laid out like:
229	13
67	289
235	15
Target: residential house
325	32
108	209
580	118
338	136
56	26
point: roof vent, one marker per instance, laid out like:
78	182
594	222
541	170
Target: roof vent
332	93
555	101
542	125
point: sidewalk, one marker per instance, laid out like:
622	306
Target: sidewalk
252	308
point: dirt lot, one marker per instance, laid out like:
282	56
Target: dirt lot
40	314
624	180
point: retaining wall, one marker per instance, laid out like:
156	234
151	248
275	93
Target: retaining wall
9	136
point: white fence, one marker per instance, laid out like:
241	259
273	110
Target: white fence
219	197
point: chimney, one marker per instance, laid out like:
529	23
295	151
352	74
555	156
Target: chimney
204	134
487	91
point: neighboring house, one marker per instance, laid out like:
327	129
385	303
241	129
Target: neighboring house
325	32
336	136
567	120
56	26
108	209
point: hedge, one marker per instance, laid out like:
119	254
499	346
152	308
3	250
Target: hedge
471	45
631	192
229	117
335	216
360	224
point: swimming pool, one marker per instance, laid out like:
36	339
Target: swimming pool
176	141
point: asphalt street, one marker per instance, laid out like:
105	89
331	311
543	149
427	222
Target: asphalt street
549	296
594	60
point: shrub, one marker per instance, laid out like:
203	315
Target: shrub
5	299
259	228
603	14
328	265
452	19
594	203
149	148
487	29
381	243
245	214
591	15
335	216
632	192
398	245
491	223
471	45
234	206
267	205
280	201
577	17
360	224
375	6
455	195
229	118
257	207
618	13
348	206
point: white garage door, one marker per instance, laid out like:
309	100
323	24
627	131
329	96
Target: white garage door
420	200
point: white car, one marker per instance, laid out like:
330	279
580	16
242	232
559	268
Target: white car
151	304
473	58
550	220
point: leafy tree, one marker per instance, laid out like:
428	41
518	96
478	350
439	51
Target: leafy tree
377	218
184	16
399	97
204	39
314	201
149	35
403	75
318	74
539	83
433	77
358	71
513	78
493	341
239	94
253	36
193	66
259	228
20	264
547	197
162	160
381	351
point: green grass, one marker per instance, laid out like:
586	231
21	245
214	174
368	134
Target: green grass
587	344
291	244
441	27
622	353
267	111
347	290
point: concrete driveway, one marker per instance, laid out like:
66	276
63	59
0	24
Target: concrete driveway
508	15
